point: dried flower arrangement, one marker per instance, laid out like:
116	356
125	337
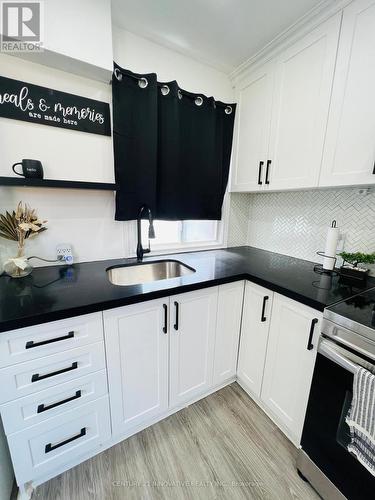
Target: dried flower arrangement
21	224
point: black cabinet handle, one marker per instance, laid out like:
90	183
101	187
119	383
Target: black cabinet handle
165	318
50	447
373	171
30	344
268	171
310	345
263	318
261	163
36	377
42	408
177	311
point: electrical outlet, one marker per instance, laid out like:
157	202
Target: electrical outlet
65	253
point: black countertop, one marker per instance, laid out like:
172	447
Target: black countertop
57	292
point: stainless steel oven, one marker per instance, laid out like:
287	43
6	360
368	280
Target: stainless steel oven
324	459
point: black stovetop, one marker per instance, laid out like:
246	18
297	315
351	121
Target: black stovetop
359	309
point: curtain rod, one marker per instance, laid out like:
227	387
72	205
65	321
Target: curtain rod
143	82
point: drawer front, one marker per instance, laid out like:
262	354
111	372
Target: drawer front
58	441
26	378
33	409
35	342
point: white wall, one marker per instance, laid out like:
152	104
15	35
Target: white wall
86	218
142	56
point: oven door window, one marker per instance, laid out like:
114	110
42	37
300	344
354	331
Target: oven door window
343	432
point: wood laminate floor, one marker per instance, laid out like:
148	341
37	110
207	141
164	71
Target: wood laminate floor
222	447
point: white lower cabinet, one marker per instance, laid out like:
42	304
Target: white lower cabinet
137	358
40	406
181	345
192	340
44	447
160	355
54	396
256	318
228	325
290	359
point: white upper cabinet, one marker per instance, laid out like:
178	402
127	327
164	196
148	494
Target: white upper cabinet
291	352
304	76
349	153
228	324
192	339
77	38
282	115
256	319
253	123
136	339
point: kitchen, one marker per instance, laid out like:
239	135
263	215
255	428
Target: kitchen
212	365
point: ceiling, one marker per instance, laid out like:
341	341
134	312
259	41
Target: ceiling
222	33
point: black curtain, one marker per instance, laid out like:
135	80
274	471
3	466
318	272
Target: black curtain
172	149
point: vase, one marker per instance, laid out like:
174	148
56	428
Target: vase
18	266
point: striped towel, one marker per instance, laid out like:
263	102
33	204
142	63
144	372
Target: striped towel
361	419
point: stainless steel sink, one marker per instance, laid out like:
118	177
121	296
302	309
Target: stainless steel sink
147	272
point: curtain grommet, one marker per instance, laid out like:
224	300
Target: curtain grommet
179	94
142	83
118	74
228	110
165	90
198	101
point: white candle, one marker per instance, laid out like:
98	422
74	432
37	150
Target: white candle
331	247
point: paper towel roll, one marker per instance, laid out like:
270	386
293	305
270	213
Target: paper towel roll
331	247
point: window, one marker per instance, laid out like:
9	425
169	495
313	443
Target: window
177	234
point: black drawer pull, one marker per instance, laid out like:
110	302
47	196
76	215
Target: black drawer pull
263	318
51	447
30	344
176	323
165	318
268	171
310	345
36	377
261	163
42	408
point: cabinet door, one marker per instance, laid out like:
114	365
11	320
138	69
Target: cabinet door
304	77
254	336
137	361
253	130
228	324
192	337
291	353
349	153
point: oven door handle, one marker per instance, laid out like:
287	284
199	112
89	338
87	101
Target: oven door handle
330	351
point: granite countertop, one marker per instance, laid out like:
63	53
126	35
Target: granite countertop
57	292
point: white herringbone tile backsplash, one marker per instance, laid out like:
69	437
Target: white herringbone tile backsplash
295	223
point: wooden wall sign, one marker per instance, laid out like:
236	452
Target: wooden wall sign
32	103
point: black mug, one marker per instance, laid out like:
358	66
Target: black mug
31	169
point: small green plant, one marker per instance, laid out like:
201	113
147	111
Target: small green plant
358	258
